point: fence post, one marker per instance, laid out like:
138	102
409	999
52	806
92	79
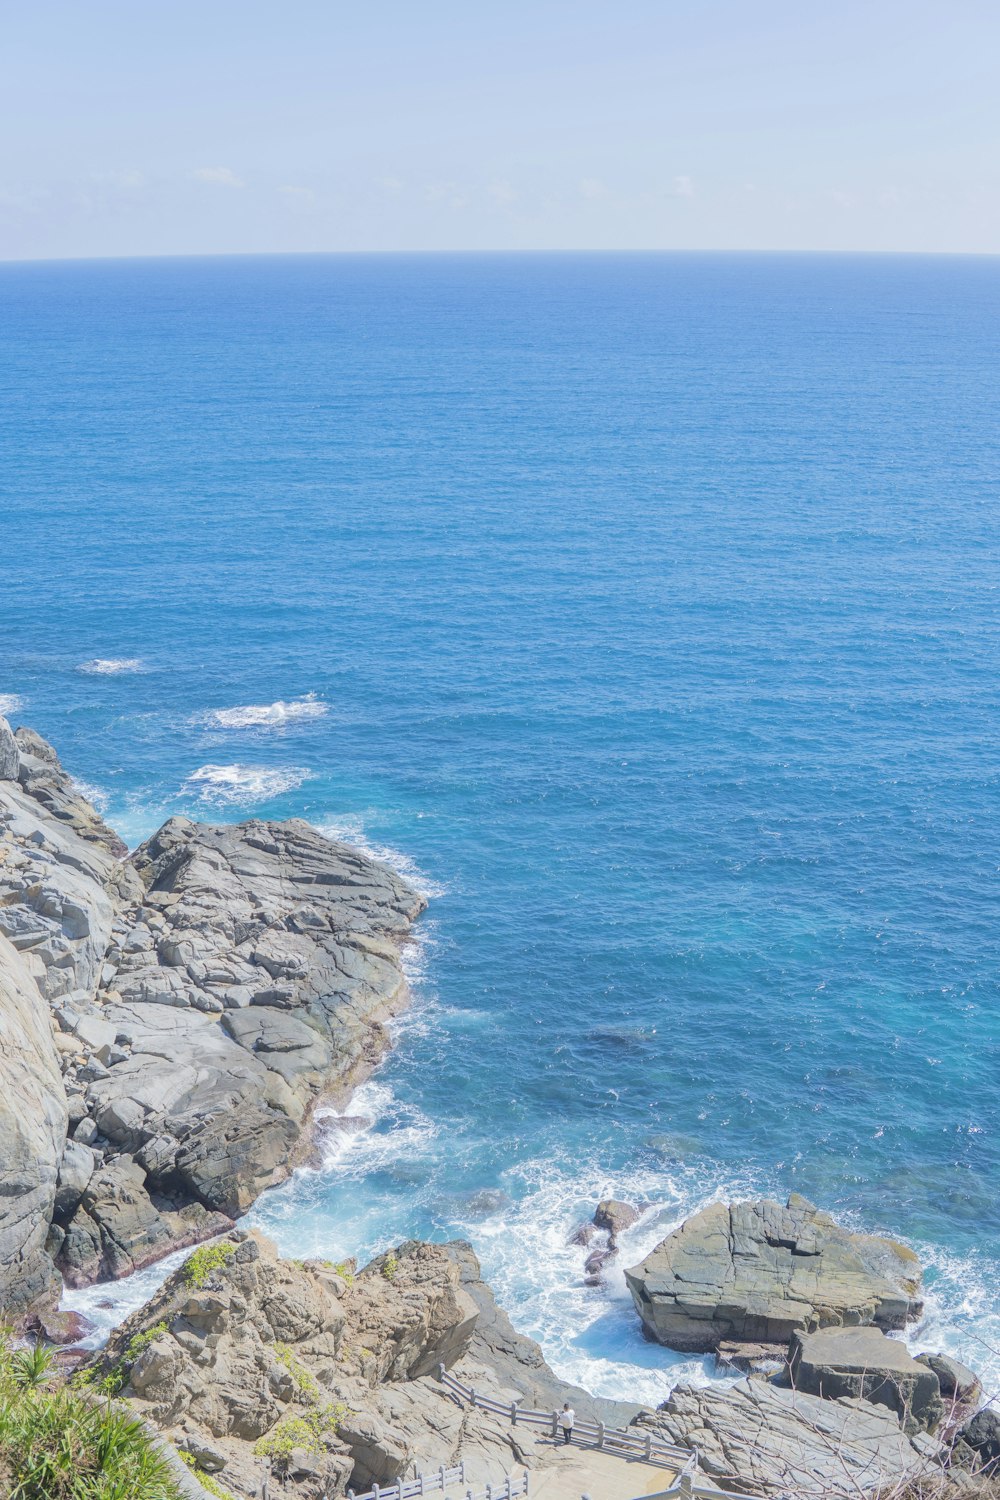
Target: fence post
472	1395
421	1478
686	1484
441	1477
555	1424
649	1448
513	1413
600	1434
461	1472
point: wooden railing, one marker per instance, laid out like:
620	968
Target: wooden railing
627	1442
444	1479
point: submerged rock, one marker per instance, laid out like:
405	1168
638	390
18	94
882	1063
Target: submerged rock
757	1272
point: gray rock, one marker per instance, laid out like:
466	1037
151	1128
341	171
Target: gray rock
33	1124
615	1216
757	1272
207	991
863	1362
763	1439
958	1383
982	1435
75	1171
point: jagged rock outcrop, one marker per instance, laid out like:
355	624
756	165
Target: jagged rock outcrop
758	1272
328	1376
863	1362
762	1439
201	995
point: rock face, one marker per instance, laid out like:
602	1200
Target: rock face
836	1362
758	1272
982	1435
764	1439
199	996
32	1134
957	1382
327	1376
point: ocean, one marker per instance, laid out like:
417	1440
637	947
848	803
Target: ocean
643	609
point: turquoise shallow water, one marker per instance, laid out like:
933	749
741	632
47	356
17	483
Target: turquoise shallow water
646	607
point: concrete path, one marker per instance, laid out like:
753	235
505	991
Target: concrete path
567	1473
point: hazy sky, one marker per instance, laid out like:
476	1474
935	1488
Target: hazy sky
132	127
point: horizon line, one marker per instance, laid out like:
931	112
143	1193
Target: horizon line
584	250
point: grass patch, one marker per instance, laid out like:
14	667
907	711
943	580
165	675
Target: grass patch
64	1443
205	1261
390	1266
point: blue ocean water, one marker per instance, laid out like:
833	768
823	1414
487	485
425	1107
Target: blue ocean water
646	607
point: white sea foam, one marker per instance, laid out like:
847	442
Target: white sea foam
10	703
111	666
106	1306
590	1335
241	786
350	829
94	794
266	715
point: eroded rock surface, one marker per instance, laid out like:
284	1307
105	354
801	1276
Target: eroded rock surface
758	1272
200	996
763	1439
326	1376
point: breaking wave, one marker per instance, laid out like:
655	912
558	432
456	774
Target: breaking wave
243	786
266	715
111	666
10	703
350	830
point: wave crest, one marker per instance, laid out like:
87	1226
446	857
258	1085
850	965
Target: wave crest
111	666
241	786
350	830
10	703
266	715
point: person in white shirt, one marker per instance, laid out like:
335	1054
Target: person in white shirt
566	1419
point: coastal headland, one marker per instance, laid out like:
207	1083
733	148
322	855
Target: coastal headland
169	1020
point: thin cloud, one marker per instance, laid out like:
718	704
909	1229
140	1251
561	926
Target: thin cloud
220	176
502	192
592	187
682	187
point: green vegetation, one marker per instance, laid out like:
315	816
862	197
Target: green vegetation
307	1430
208	1482
63	1443
390	1266
206	1259
305	1382
142	1341
344	1271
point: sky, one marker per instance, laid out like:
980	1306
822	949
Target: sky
131	127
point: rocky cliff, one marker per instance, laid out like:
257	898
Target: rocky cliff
168	1019
324	1376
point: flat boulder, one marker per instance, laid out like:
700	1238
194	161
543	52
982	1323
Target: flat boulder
758	1272
864	1363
